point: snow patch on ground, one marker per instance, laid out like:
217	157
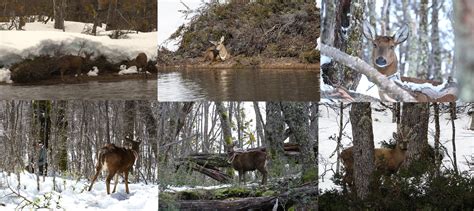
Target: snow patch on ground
128	71
94	72
383	128
5	75
183	188
73	195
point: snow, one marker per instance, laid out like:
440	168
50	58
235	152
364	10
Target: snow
73	195
5	75
41	39
129	71
325	59
383	128
94	72
183	188
367	87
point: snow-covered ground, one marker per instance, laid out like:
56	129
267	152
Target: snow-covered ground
43	39
73	195
383	129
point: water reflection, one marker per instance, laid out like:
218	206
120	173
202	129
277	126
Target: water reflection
238	85
123	90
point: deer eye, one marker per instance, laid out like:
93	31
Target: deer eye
392	47
375	45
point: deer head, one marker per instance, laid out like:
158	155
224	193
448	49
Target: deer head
384	57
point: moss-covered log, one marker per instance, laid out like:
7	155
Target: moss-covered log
237	198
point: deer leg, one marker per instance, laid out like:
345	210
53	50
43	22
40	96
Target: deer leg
107	181
116	182
240	177
264	176
95	176
126	182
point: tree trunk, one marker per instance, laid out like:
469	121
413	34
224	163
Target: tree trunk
225	123
274	129
297	118
363	151
59	7
414	126
464	29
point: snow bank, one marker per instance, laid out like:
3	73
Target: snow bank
73	194
5	75
383	128
43	40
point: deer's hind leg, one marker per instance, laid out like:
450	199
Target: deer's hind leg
116	182
97	172
107	181
126	182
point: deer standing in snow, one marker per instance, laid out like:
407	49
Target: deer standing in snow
116	160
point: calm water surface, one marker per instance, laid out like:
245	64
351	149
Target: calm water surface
123	90
238	85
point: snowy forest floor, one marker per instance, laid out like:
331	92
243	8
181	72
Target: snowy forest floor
71	194
383	128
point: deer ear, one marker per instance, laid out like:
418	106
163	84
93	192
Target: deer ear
222	40
213	42
402	34
368	31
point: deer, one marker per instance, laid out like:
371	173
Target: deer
386	160
244	161
70	62
384	57
217	51
140	62
116	160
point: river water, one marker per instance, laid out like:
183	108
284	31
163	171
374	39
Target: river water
238	85
123	90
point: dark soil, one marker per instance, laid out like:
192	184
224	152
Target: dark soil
44	70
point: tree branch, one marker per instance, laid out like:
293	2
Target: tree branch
388	86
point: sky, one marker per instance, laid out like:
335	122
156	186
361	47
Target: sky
169	18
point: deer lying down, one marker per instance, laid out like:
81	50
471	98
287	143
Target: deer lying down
244	161
386	160
116	160
217	51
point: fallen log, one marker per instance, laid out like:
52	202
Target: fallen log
301	196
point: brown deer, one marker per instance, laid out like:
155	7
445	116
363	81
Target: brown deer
70	62
244	161
116	160
140	62
217	51
386	160
384	57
